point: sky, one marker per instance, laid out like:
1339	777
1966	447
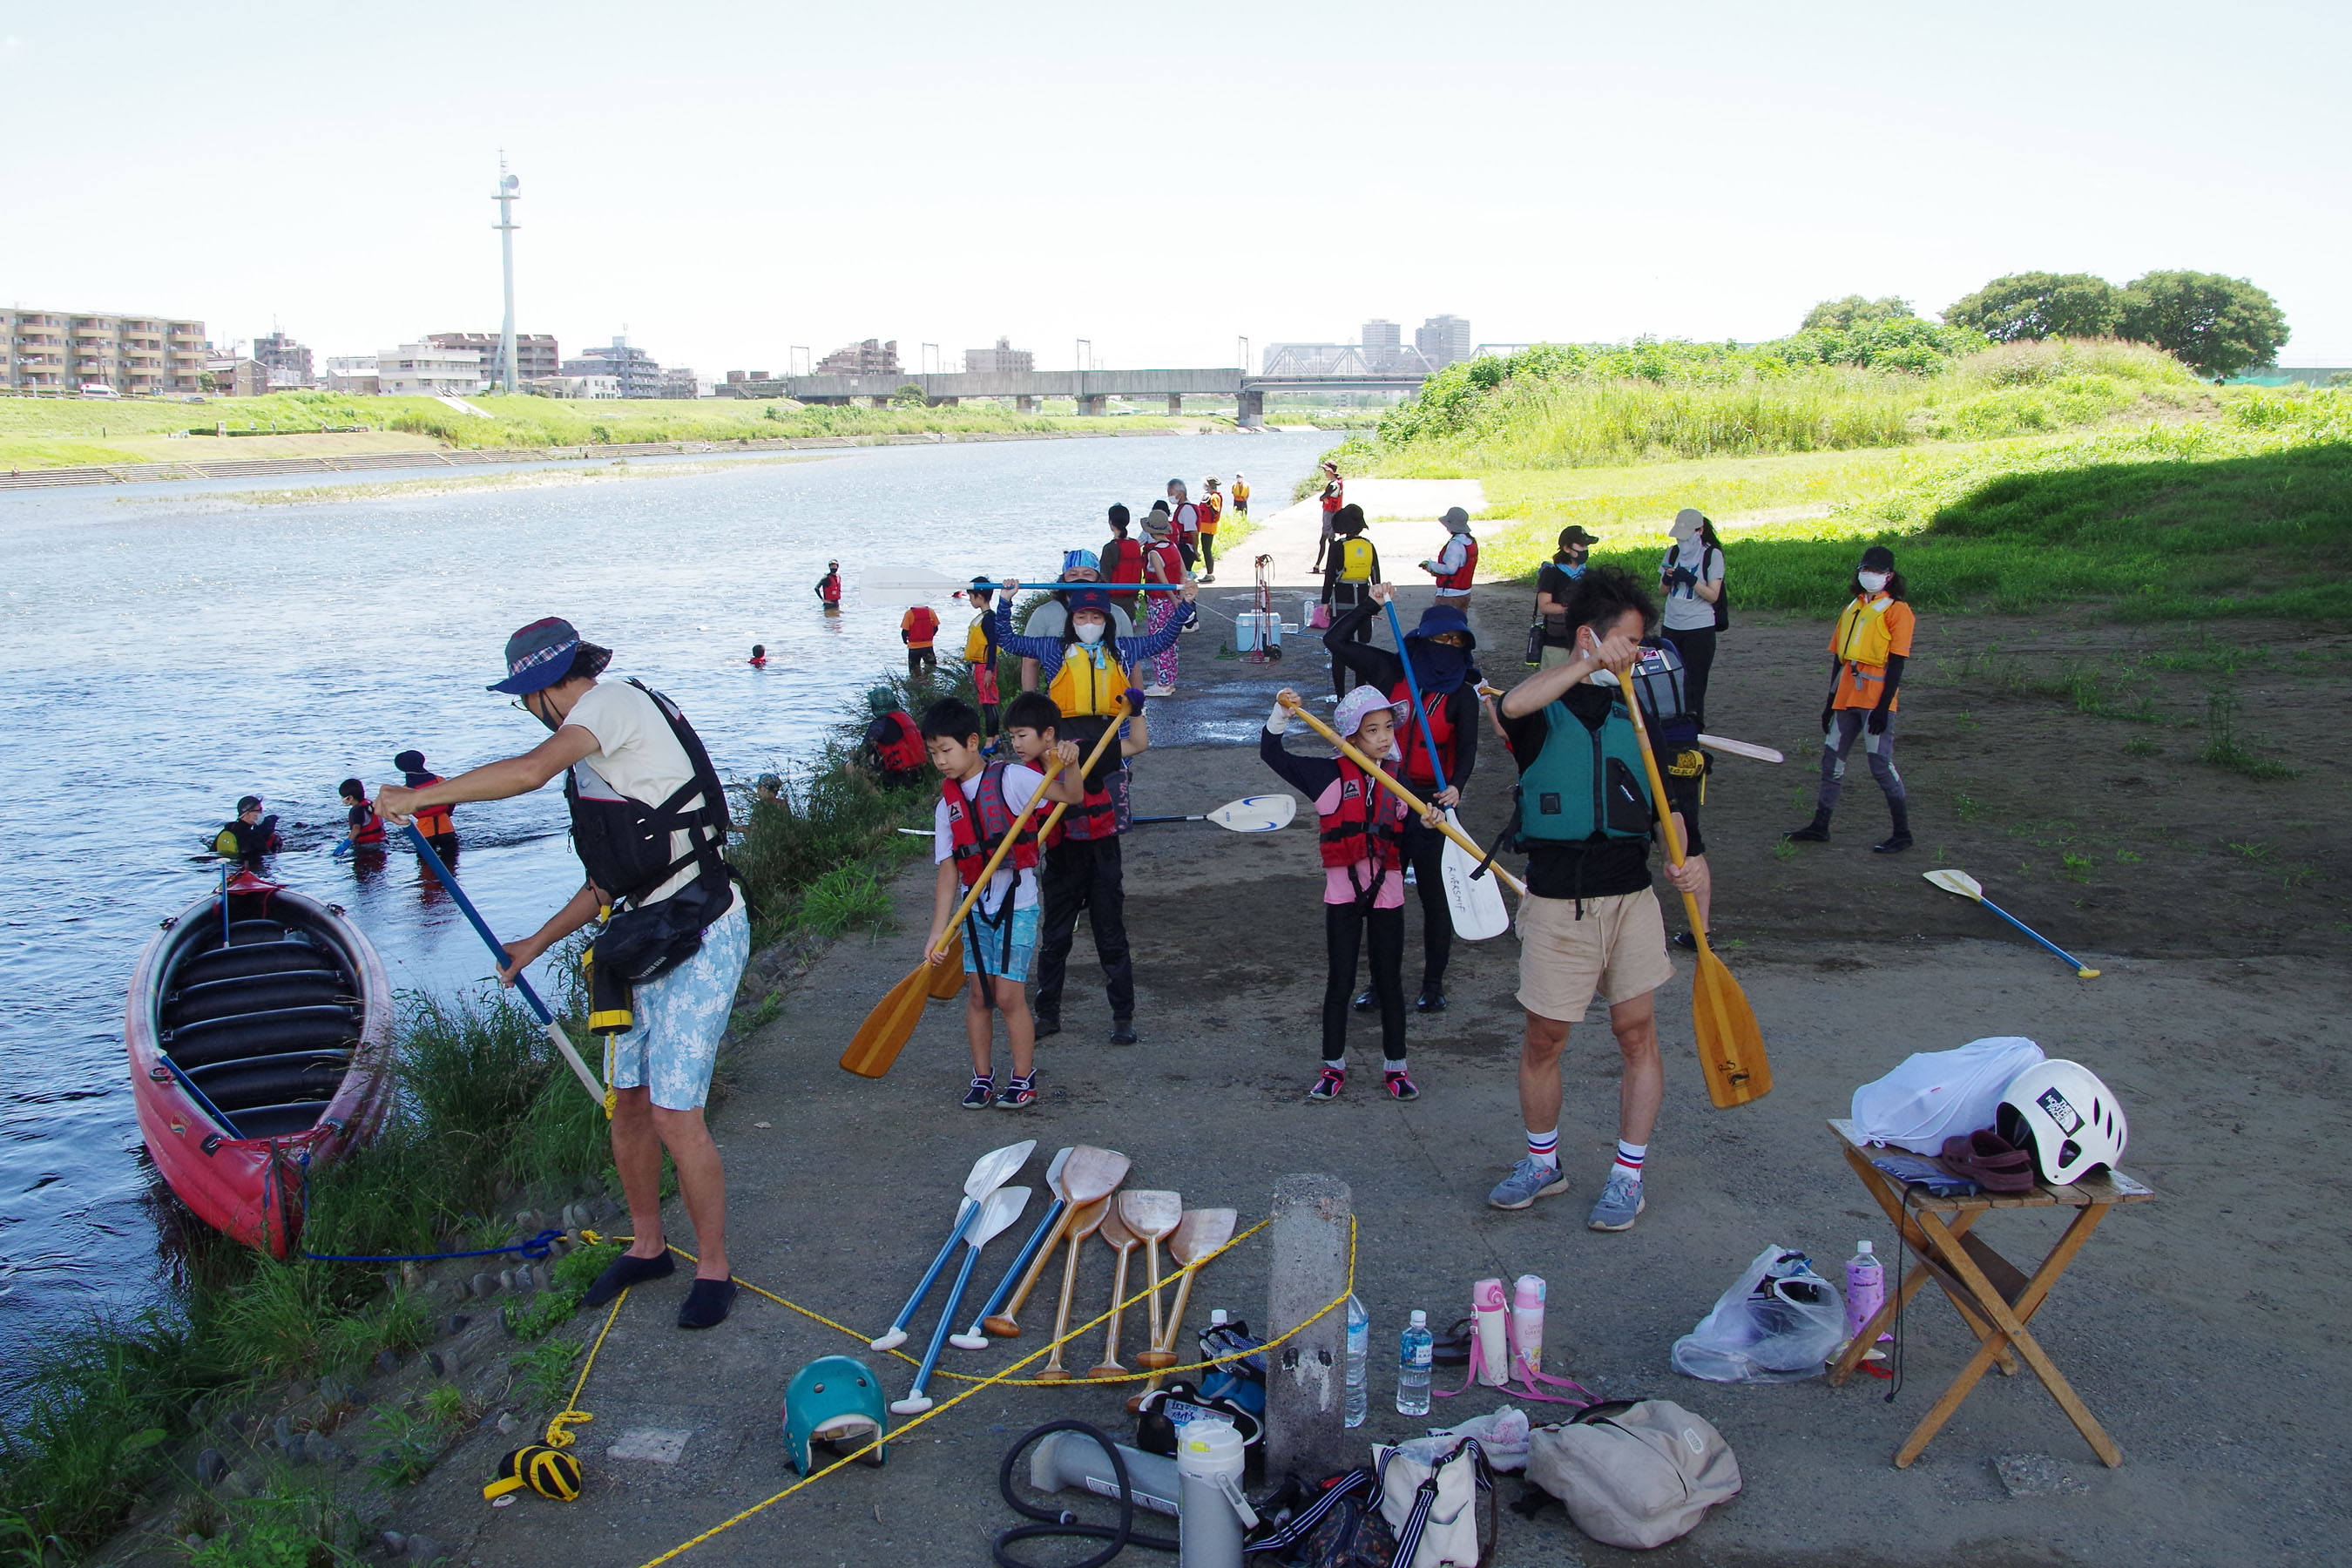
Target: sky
729	180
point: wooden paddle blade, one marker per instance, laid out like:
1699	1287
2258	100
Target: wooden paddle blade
1092	1174
1730	1046
948	975
1203	1232
1474	902
1151	1213
884	1032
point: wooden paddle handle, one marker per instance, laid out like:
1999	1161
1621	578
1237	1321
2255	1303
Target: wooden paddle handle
1151	1352
1445	825
1053	1371
1004	1327
1109	1366
1666	806
1110	732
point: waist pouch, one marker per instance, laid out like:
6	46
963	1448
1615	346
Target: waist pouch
641	945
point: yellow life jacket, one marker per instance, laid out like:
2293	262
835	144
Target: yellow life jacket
1355	560
1080	688
1862	636
975	641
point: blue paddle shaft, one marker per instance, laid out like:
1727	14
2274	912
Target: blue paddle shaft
1003	1292
947	1322
1404	656
481	926
931	1276
2032	933
199	1096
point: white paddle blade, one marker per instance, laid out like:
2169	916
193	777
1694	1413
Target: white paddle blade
1002	1208
1475	903
911	580
1255	813
1054	1170
1959	882
1741	749
996	1167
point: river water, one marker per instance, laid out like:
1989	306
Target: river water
173	647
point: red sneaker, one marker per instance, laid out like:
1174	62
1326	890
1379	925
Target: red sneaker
1329	1084
1400	1085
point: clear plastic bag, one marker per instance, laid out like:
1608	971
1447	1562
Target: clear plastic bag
1935	1095
1778	1323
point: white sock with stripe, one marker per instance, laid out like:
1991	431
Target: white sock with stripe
1628	1158
1544	1148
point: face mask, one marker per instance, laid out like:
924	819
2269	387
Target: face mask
1089	632
1872	582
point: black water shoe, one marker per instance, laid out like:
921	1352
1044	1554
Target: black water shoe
708	1304
1366	1001
1812	833
1122	1031
1893	845
627	1271
1046	1028
1432	1000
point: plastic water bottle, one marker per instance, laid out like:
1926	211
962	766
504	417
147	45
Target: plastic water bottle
1416	1349
1360	1362
1865	1289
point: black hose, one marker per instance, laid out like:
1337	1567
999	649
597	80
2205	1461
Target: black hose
1122	1536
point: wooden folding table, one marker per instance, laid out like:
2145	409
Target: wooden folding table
1993	1295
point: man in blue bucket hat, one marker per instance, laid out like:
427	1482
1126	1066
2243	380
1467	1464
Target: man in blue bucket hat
667	961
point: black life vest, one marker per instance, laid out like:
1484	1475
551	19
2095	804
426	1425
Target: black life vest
625	843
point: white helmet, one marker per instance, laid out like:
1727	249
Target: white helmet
2066	1116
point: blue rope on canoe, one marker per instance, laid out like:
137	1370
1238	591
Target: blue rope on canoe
537	1247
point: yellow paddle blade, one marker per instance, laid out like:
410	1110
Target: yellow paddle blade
1730	1046
884	1034
947	975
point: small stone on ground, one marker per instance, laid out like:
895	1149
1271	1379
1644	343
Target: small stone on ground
2035	1475
658	1445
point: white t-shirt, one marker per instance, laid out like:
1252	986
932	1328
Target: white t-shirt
637	755
1187	517
1020	784
1686	611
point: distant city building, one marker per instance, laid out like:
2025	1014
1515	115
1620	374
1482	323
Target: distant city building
428	370
868	358
62	351
353	374
583	386
288	362
737	377
633	368
535	355
1442	341
678	382
1381	343
1003	357
236	377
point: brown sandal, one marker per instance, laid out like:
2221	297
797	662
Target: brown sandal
1990	1161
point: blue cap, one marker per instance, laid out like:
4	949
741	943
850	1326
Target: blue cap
1441	618
538	655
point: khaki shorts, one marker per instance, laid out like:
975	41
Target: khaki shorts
1618	950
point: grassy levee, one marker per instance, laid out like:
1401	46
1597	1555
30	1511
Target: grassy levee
39	432
485	1113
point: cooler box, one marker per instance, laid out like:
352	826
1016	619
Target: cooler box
1258	631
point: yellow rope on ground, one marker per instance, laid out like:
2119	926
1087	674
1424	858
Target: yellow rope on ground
560	1424
978	1383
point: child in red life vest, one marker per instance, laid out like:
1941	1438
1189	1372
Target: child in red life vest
894	747
1082	864
364	829
1362	831
979	802
919	628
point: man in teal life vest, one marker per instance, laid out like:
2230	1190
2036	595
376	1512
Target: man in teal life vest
1591	922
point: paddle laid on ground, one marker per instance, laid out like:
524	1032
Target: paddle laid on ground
990	1172
1091	1175
555	1035
1153	1215
1474	903
1742	749
1730	1046
1251	814
1085	1219
883	1035
1451	828
973	1338
1201	1232
1968	887
1120	1238
997	1214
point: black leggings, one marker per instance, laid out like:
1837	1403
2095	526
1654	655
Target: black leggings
1424	851
1344	598
1208	552
1343	928
1697	649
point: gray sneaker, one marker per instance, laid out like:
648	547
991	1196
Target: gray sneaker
1619	1202
1529	1179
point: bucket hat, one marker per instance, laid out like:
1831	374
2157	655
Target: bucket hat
538	657
1361	701
1440	618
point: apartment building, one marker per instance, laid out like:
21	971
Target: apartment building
1443	339
428	370
535	353
288	362
867	358
1003	357
636	370
57	352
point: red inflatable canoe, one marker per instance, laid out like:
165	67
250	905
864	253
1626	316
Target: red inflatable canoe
260	1047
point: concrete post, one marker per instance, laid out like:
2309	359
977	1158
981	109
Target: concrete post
1252	410
1306	1378
1175	404
1025	406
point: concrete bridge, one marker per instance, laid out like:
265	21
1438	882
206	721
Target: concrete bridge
1089	388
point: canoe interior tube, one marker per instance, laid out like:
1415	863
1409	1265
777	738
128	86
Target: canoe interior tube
260	1034
241	963
257	993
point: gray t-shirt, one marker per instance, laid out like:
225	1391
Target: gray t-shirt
1686	611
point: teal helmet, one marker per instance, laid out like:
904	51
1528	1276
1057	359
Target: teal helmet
833	1399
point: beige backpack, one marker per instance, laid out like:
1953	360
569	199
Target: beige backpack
1634	1473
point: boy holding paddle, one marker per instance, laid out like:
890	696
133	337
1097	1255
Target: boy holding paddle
1590	921
979	802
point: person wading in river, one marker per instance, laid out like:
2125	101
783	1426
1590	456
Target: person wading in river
667	963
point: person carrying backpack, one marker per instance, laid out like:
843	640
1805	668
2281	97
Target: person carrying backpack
1691	578
1554	641
1349	569
980	653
